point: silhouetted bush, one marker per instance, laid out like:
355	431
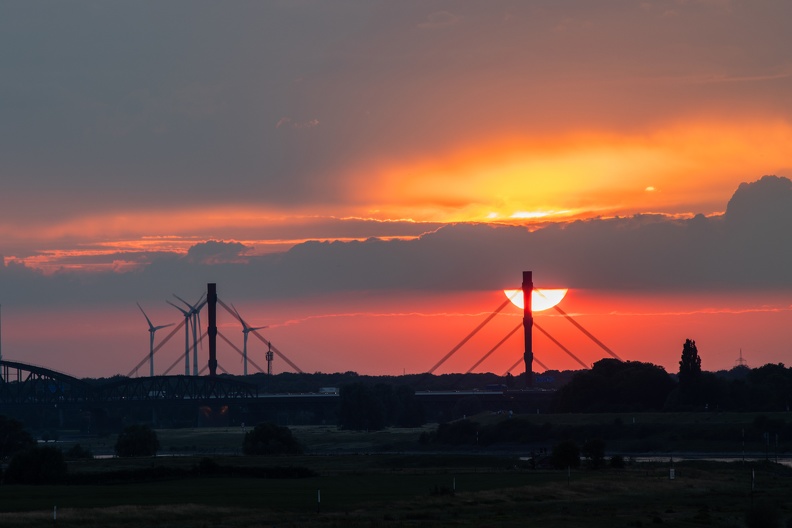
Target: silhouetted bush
38	465
137	440
270	439
565	454
594	451
13	437
77	452
616	386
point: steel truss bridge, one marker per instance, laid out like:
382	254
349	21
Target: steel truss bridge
21	383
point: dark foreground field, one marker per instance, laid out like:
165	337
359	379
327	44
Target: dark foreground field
386	479
416	490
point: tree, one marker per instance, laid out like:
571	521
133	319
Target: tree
594	451
137	440
270	439
77	452
566	454
38	465
690	371
13	437
615	386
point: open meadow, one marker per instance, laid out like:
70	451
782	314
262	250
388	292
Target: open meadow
386	478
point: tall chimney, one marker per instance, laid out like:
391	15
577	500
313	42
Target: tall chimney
527	288
211	298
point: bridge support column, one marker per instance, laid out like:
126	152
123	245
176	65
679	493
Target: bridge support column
211	298
527	288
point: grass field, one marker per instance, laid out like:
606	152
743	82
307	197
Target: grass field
383	479
369	491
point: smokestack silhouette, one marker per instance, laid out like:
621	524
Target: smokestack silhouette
527	288
211	299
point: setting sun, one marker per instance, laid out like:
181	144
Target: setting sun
540	299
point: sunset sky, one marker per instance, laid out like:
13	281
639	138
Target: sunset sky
366	177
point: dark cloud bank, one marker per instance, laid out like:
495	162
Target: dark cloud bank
749	247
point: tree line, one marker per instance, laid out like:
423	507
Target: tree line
633	386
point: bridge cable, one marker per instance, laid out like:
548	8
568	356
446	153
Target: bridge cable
179	359
588	334
156	348
232	345
521	360
493	349
562	347
269	344
470	335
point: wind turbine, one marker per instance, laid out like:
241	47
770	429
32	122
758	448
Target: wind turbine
246	329
152	330
187	315
195	312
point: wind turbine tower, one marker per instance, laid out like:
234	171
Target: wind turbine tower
152	330
195	312
187	316
246	329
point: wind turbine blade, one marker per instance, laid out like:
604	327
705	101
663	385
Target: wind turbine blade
182	300
200	330
167	337
239	317
186	313
146	316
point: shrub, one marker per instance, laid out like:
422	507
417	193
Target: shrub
38	465
565	454
13	437
594	451
270	439
137	440
77	452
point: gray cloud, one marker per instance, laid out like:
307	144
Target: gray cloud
745	248
218	252
439	19
124	98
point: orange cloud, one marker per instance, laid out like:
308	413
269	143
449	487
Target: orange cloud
697	164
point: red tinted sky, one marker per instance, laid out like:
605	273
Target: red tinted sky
154	147
390	334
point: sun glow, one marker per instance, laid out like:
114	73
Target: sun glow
545	177
540	299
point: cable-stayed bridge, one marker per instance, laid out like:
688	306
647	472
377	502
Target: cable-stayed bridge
23	385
